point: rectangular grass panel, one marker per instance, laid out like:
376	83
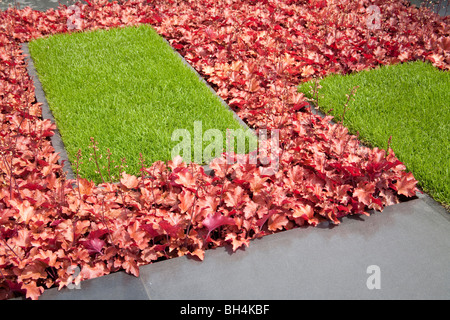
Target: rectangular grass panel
411	102
128	90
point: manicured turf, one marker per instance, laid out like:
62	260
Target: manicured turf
128	90
409	101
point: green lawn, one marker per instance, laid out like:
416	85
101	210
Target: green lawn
411	102
127	89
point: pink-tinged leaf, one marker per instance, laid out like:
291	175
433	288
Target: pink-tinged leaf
277	222
234	198
131	267
186	201
86	186
24	208
91	272
307	71
303	210
171	230
94	246
212	222
237	241
185	178
176	162
32	290
364	192
406	185
199	253
150	230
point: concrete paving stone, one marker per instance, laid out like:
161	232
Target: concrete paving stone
116	286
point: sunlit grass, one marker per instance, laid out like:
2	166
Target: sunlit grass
128	90
409	101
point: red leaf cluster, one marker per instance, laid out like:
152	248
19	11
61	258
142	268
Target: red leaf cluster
255	53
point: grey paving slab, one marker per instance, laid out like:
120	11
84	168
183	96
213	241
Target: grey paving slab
409	242
116	286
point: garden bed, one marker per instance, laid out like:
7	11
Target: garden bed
254	54
404	105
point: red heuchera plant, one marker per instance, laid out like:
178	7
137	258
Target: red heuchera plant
255	53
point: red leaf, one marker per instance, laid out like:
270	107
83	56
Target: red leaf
407	185
277	222
129	180
86	187
97	233
33	186
150	230
212	222
364	192
171	230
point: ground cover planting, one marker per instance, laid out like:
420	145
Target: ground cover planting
406	104
128	90
254	53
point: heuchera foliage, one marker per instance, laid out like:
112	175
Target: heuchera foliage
254	53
